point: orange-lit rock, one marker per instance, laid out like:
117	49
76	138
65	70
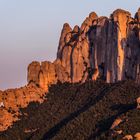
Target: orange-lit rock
6	119
137	136
95	75
47	75
33	70
128	137
66	29
116	123
110	45
102	47
14	99
121	18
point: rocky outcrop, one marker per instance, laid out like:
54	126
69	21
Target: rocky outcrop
33	71
65	36
14	99
128	137
102	47
41	74
137	136
116	123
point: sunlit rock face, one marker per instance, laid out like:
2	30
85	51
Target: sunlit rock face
64	38
47	75
116	44
42	75
106	48
15	99
33	70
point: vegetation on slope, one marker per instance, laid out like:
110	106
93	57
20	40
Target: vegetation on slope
79	112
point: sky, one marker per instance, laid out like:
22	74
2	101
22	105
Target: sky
30	30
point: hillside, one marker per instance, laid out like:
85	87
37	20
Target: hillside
11	100
80	112
91	86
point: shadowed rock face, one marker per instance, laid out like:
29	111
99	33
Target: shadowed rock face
102	47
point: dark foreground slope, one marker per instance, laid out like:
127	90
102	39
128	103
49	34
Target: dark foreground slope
79	112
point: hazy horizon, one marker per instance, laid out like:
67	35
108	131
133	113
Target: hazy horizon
30	31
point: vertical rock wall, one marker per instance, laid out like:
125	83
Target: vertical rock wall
102	47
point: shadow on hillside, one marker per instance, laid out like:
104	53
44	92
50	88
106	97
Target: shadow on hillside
105	124
79	111
54	130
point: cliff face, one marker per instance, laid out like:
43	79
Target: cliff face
102	47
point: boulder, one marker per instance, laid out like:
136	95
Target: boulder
116	123
137	136
128	137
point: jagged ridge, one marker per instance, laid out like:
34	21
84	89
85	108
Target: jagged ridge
102	47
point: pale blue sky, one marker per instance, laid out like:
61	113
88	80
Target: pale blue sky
30	30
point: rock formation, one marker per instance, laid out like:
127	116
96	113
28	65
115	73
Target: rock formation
116	123
128	137
106	48
14	99
137	136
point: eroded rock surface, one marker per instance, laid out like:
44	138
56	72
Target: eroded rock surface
14	99
106	48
